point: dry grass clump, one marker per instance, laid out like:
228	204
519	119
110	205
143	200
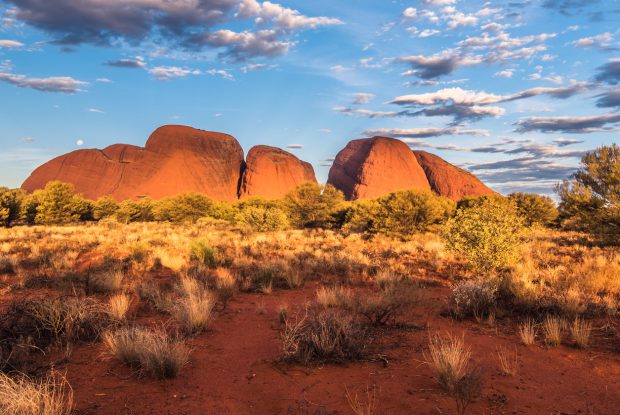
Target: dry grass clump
151	352
118	306
553	328
107	282
51	395
363	407
323	336
473	298
339	296
527	332
194	307
450	358
508	361
580	333
225	285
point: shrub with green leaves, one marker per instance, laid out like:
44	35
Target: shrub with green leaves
261	215
590	199
11	205
135	211
187	207
536	210
486	231
204	253
58	203
311	205
104	207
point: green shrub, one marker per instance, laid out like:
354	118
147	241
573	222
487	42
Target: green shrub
11	205
104	207
204	253
590	199
486	231
261	215
187	207
135	211
535	209
58	203
312	205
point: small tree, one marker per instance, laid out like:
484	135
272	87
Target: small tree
590	199
58	203
261	215
312	205
187	207
104	207
486	231
11	205
135	211
536	210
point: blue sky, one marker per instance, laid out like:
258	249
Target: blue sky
514	91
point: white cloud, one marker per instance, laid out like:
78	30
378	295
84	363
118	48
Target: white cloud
362	98
221	72
10	44
64	84
164	73
506	73
283	17
95	110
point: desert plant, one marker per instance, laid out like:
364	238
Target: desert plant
366	407
58	203
467	390
552	328
283	313
104	207
312	205
11	205
473	298
337	296
204	253
106	282
590	199
118	306
486	232
225	284
450	358
51	395
194	307
261	216
535	209
508	361
151	352
323	336
392	301
135	211
186	207
527	332
580	332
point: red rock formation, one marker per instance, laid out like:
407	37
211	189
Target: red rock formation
373	167
448	180
271	172
175	159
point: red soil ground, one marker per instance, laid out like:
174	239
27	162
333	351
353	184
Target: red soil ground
233	370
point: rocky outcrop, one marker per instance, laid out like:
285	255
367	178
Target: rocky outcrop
373	167
175	159
272	172
448	180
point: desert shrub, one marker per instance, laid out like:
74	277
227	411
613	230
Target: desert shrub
401	213
535	210
58	203
580	333
118	306
527	332
261	216
311	205
51	395
157	299
104	207
71	319
392	301
135	211
339	297
486	232
473	298
225	285
552	329
365	407
590	199
151	352
508	361
204	253
323	336
186	207
410	211
451	359
105	282
194	307
11	205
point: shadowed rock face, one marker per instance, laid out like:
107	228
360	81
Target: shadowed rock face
272	172
372	167
175	159
448	180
